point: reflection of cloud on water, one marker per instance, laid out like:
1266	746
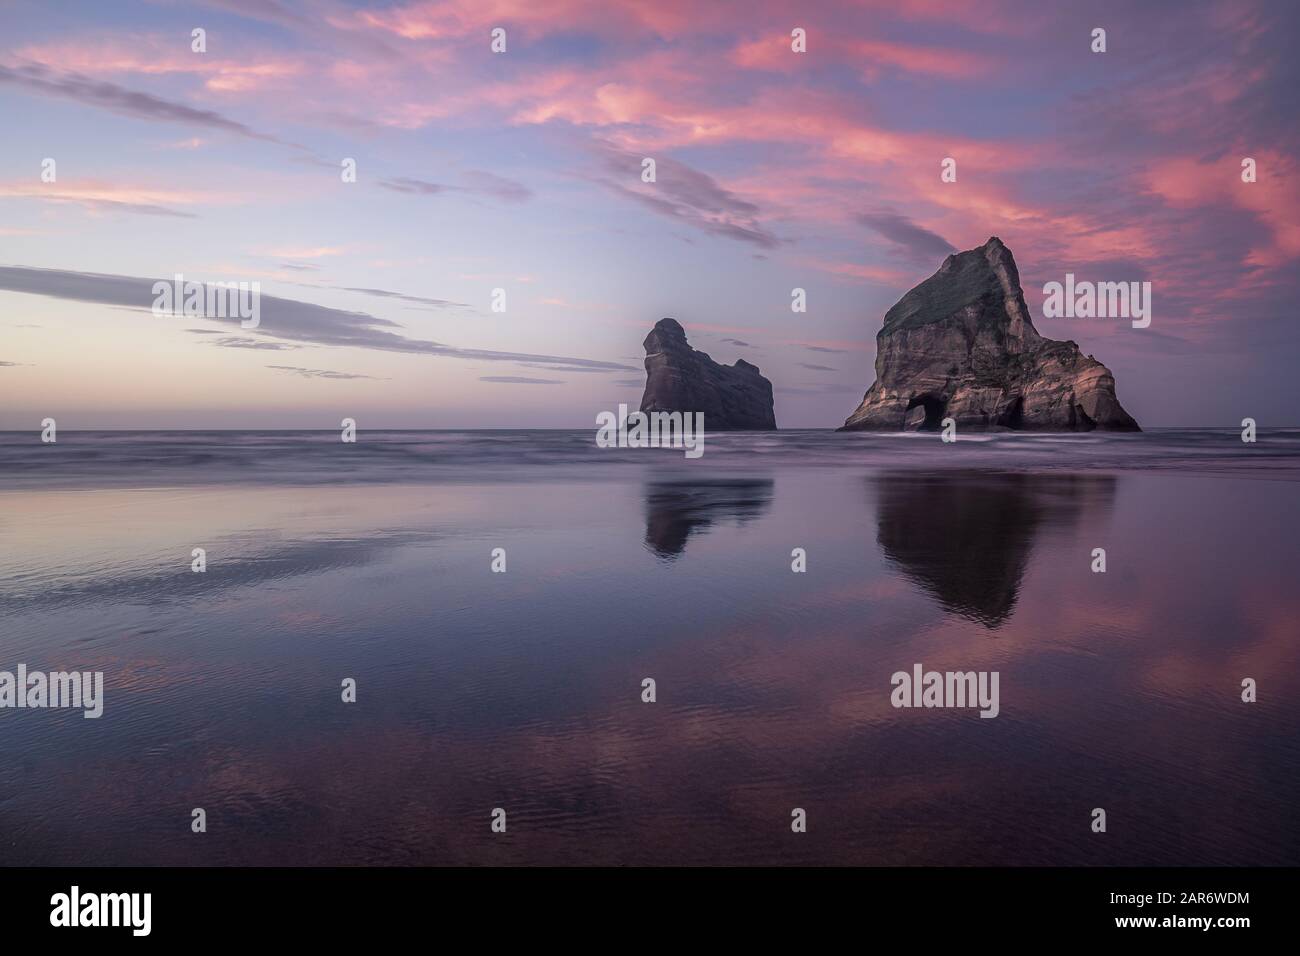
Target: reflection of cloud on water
258	563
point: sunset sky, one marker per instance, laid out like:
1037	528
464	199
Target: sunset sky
522	171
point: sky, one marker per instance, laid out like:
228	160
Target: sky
522	171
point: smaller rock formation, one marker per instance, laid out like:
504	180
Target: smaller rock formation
681	379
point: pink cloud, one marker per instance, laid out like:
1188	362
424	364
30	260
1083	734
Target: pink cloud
157	56
870	55
857	270
810	154
99	197
1274	197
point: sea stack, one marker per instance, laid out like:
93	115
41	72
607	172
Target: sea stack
681	379
961	345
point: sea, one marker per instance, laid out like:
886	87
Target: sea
518	648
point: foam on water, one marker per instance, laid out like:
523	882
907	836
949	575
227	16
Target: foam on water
166	458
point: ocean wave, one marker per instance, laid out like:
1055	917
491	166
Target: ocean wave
144	459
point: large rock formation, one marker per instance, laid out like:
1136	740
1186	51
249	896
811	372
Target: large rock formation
680	379
961	345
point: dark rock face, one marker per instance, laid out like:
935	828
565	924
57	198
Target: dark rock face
961	345
680	379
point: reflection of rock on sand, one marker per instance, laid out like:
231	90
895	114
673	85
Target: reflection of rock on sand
674	510
966	536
